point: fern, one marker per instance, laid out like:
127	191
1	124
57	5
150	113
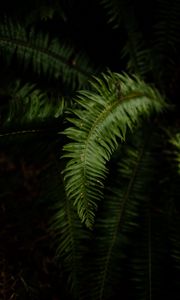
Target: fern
119	220
118	11
115	190
113	11
47	57
115	106
29	110
29	104
135	50
69	235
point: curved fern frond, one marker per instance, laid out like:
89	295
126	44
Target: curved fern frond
32	104
48	57
116	105
69	236
119	218
28	109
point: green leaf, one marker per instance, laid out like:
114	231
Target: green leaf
117	104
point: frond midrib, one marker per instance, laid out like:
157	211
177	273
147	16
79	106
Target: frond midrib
110	108
21	132
49	53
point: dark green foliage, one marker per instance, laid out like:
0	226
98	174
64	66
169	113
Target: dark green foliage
118	105
98	155
46	56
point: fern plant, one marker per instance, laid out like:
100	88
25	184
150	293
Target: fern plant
113	178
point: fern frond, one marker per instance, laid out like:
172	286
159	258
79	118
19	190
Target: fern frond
69	235
135	51
114	11
119	219
138	55
116	105
166	41
48	57
148	261
30	104
29	110
165	216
